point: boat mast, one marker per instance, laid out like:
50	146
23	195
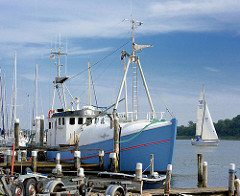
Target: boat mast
58	82
204	110
135	59
89	84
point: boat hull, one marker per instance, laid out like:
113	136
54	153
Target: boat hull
205	142
159	141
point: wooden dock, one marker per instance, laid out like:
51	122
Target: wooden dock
190	191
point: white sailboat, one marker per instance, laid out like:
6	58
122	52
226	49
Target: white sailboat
205	130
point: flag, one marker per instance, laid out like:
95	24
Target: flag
52	57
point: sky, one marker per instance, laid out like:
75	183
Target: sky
195	43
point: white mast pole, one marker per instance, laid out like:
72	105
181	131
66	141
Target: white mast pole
89	86
36	91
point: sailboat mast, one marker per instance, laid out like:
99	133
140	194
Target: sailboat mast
89	84
15	87
204	110
36	91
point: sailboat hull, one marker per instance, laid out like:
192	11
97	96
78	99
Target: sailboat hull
205	142
159	141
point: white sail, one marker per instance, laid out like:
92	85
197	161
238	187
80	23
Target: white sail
209	132
200	111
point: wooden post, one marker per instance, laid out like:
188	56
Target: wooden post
37	126
34	161
151	164
77	159
16	132
58	157
12	166
41	130
80	172
200	167
237	186
8	152
116	140
168	179
231	179
24	155
101	160
138	171
114	162
59	174
205	175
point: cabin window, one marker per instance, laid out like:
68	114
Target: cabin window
49	125
63	121
80	121
102	121
59	121
72	121
89	121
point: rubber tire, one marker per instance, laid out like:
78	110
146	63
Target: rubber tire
27	184
14	189
39	187
82	189
58	188
118	193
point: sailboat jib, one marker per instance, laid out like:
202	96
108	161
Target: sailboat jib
209	132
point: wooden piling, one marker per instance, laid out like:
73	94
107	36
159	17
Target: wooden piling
37	127
200	168
231	179
151	164
168	179
59	174
41	130
58	157
8	152
34	161
16	132
205	173
138	171
77	159
101	160
24	155
237	186
114	162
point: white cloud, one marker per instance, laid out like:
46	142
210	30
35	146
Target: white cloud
211	69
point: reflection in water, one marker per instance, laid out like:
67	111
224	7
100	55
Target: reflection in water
218	158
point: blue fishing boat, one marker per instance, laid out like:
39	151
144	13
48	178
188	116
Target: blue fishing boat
93	128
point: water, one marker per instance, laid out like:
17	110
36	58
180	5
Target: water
185	172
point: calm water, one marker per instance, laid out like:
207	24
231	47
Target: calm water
185	163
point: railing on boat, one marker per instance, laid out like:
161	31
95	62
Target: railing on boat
133	116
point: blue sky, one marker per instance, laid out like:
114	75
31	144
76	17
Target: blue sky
195	43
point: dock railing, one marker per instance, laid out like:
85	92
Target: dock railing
133	116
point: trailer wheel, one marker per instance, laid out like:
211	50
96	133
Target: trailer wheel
30	187
39	187
17	189
58	188
82	189
114	190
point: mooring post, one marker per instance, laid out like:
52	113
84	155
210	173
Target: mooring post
205	173
34	161
231	179
168	179
114	162
58	158
59	174
24	155
16	132
8	152
101	160
41	130
151	164
200	167
237	186
77	159
138	171
116	140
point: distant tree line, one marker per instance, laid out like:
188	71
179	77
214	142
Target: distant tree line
225	128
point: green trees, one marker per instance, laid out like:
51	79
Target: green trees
224	128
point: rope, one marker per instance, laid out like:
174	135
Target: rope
100	60
137	134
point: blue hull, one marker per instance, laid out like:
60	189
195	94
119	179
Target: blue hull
159	141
